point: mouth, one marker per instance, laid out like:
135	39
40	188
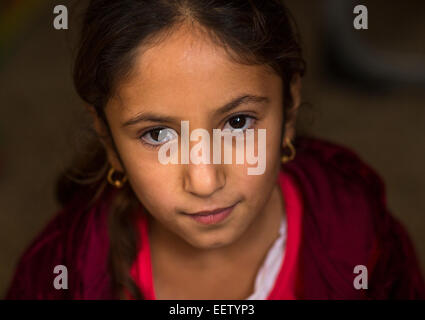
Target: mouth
212	216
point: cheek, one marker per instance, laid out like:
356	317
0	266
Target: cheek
255	187
152	182
255	190
156	196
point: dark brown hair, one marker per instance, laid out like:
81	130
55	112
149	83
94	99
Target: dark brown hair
251	32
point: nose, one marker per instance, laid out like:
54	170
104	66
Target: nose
203	180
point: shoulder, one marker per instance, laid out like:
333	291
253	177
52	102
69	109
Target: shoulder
66	240
341	179
347	223
337	160
344	198
33	275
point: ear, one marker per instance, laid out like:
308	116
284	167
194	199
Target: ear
292	112
105	138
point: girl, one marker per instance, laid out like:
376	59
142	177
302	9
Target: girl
313	225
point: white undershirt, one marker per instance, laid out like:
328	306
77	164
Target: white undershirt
266	276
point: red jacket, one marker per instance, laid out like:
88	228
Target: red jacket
345	222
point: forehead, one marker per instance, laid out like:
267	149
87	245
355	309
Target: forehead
187	70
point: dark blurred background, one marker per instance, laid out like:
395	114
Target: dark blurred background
365	89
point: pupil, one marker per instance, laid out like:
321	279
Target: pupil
237	122
155	134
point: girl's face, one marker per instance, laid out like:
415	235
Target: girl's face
188	78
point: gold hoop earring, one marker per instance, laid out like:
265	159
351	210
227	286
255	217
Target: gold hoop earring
286	158
117	183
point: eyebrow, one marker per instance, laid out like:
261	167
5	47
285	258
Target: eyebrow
148	116
246	98
243	99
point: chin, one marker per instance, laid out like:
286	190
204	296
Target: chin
212	242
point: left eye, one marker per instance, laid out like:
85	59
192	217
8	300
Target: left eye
239	122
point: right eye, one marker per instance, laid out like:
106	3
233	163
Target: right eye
158	136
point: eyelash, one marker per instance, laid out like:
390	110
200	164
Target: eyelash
155	146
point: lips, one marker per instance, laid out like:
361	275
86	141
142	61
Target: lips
207	213
212	216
